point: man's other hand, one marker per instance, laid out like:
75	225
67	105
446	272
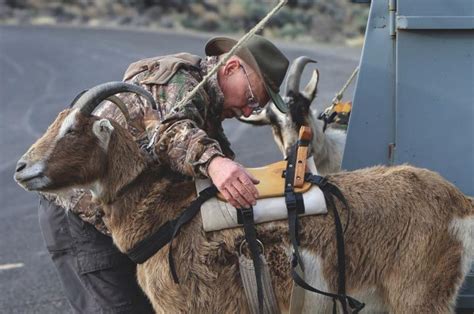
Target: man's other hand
234	182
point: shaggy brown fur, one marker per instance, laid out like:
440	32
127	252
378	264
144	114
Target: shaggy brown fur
398	241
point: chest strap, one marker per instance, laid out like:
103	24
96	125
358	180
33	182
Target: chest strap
188	214
146	248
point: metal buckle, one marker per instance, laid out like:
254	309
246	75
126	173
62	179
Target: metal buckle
262	248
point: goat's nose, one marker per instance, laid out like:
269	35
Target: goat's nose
20	166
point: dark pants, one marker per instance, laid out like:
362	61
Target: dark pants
96	277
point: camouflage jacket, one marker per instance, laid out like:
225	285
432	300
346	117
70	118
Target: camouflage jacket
187	137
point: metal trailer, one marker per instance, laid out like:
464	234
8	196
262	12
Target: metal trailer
414	97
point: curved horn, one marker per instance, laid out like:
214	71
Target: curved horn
294	74
73	102
311	88
88	101
121	105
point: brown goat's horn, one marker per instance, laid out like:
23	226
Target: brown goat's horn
88	101
121	105
294	74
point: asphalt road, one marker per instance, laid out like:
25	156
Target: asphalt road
41	70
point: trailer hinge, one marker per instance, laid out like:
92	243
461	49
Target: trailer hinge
391	153
392	11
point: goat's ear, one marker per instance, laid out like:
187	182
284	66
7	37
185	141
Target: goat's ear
311	88
103	130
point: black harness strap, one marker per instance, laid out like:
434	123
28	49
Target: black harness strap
146	248
294	204
248	222
328	190
188	214
294	201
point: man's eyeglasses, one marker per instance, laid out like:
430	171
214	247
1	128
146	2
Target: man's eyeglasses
252	102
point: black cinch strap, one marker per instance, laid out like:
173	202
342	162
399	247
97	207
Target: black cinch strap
329	190
293	204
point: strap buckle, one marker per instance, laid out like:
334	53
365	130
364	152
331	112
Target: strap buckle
244	214
290	200
262	248
315	179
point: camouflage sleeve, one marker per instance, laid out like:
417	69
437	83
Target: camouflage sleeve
181	141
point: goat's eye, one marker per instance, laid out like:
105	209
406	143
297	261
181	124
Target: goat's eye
70	131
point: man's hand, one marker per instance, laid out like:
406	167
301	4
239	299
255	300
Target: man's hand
234	182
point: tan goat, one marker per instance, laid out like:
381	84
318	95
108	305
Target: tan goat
409	242
326	147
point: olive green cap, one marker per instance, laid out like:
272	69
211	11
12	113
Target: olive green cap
262	56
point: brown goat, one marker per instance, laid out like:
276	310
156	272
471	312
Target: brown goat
409	243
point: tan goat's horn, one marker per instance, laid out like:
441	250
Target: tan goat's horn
294	74
88	101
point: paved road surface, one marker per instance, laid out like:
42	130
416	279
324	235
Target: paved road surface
41	70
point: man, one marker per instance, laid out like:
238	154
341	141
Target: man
188	138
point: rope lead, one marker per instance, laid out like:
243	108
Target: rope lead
234	49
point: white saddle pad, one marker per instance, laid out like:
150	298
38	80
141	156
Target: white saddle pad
217	215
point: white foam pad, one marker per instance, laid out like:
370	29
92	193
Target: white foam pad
217	215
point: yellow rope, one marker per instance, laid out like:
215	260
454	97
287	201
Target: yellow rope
336	101
242	41
339	95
